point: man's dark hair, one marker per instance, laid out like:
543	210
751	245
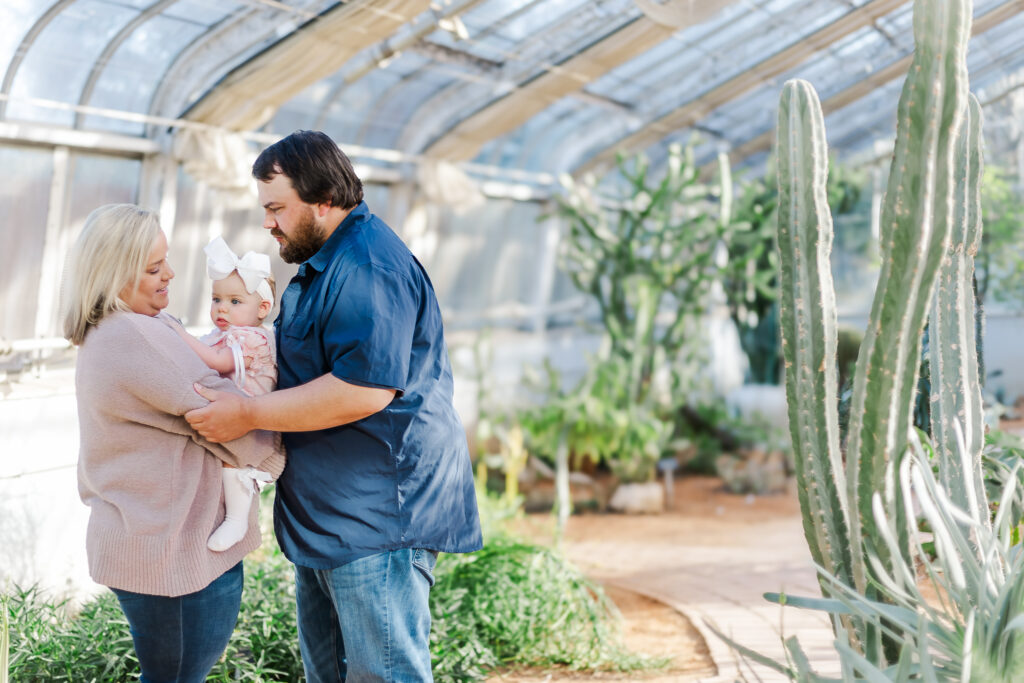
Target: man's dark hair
319	171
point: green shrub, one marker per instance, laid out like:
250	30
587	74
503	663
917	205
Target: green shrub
48	645
511	604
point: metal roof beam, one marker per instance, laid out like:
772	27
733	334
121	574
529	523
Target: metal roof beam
250	94
108	51
871	83
387	49
51	136
696	109
463	142
23	48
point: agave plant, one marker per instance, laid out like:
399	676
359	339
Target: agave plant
958	622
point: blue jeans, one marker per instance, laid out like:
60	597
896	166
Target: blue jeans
368	620
178	640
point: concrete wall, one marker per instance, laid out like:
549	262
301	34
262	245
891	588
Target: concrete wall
42	519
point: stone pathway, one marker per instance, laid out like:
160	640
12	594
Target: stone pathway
712	559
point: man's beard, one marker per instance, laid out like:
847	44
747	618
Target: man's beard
305	240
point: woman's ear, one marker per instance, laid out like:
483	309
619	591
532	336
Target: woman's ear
264	308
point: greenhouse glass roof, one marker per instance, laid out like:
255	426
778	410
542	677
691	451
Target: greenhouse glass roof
533	85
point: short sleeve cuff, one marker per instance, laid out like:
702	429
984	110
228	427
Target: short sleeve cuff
346	374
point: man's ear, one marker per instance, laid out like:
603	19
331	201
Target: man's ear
264	308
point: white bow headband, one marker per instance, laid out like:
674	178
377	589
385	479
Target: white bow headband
253	268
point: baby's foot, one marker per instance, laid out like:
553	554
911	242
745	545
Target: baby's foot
229	533
238	492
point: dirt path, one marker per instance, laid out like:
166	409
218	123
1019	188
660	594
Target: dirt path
693	559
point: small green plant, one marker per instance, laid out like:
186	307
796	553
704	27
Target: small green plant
264	646
597	420
51	642
514	604
4	639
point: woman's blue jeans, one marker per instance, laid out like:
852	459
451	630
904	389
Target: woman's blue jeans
368	620
178	640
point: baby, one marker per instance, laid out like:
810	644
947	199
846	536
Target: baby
241	349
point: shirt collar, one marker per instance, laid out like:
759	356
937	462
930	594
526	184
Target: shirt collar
322	258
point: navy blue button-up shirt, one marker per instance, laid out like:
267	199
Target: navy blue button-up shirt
363	309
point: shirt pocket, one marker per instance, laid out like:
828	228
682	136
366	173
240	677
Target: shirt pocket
299	348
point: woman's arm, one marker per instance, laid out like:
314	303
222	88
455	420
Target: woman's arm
156	365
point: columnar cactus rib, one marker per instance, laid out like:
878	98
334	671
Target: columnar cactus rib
933	194
953	353
915	221
808	321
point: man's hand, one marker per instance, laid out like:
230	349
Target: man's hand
224	419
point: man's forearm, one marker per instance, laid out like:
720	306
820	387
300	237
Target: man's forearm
322	403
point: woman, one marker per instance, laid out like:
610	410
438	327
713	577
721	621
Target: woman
152	484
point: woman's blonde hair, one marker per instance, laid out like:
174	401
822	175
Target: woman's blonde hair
109	255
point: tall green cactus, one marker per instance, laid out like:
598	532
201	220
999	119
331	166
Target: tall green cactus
808	319
917	219
953	352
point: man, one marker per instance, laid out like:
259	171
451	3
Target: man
378	477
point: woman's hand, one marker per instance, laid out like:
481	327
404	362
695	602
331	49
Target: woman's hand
225	418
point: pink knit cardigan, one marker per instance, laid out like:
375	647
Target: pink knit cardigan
153	484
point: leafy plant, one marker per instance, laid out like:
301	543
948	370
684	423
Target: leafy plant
1000	458
751	278
649	252
49	644
647	257
751	272
509	605
516	604
264	645
1000	263
597	420
959	623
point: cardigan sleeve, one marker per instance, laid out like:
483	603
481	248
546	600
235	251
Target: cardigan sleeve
158	368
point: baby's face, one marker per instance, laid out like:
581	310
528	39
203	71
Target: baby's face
232	305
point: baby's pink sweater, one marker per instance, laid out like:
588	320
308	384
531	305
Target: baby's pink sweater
153	484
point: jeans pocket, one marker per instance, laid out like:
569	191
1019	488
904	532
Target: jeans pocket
425	560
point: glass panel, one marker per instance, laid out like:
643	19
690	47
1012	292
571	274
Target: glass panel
488	13
378	199
539	17
16	18
203	13
489	257
393	109
133	72
59	61
192	220
247	29
98	180
24	198
519	58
